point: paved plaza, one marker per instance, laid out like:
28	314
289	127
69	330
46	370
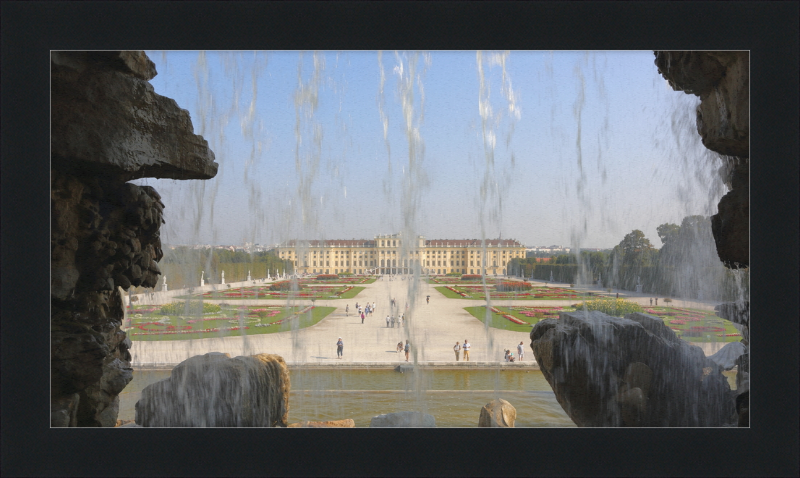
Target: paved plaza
432	330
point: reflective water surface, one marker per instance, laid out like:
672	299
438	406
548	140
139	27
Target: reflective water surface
453	397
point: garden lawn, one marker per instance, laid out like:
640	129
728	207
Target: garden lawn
155	326
498	321
448	293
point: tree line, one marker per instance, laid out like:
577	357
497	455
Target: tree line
686	265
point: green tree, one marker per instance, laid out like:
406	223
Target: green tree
668	232
636	249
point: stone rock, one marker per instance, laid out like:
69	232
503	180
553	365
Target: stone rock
727	357
347	423
64	411
214	390
497	413
106	116
107	127
633	371
731	224
722	81
403	419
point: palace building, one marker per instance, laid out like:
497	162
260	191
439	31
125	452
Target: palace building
389	254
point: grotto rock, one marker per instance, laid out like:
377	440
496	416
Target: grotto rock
403	419
214	390
634	371
108	126
497	413
722	81
106	116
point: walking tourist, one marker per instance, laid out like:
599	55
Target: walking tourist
339	347
401	319
393	321
457	350
347	310
520	351
656	301
466	347
362	317
428	299
387	321
651	301
407	349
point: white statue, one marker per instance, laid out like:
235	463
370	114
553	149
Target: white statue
202	278
551	276
248	276
164	284
223	277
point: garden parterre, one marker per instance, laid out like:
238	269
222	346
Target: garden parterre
148	323
267	292
692	325
476	292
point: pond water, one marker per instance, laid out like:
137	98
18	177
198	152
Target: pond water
453	397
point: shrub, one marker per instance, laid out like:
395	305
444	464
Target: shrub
667	300
608	290
327	277
513	286
471	277
615	307
195	308
453	274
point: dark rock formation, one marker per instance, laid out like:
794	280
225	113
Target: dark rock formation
722	81
498	413
632	371
403	419
214	390
108	126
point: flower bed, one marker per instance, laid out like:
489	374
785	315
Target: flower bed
513	286
327	277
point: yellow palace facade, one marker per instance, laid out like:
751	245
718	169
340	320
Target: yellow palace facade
390	254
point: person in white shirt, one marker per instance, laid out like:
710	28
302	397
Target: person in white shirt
457	350
466	347
387	321
520	351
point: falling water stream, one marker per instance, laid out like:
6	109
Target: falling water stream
297	216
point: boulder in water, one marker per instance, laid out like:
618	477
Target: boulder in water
214	390
634	371
498	413
403	419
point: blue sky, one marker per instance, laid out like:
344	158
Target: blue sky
638	163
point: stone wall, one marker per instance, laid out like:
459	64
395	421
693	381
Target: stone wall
722	81
108	126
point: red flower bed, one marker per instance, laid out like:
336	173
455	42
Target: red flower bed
471	277
512	286
327	277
